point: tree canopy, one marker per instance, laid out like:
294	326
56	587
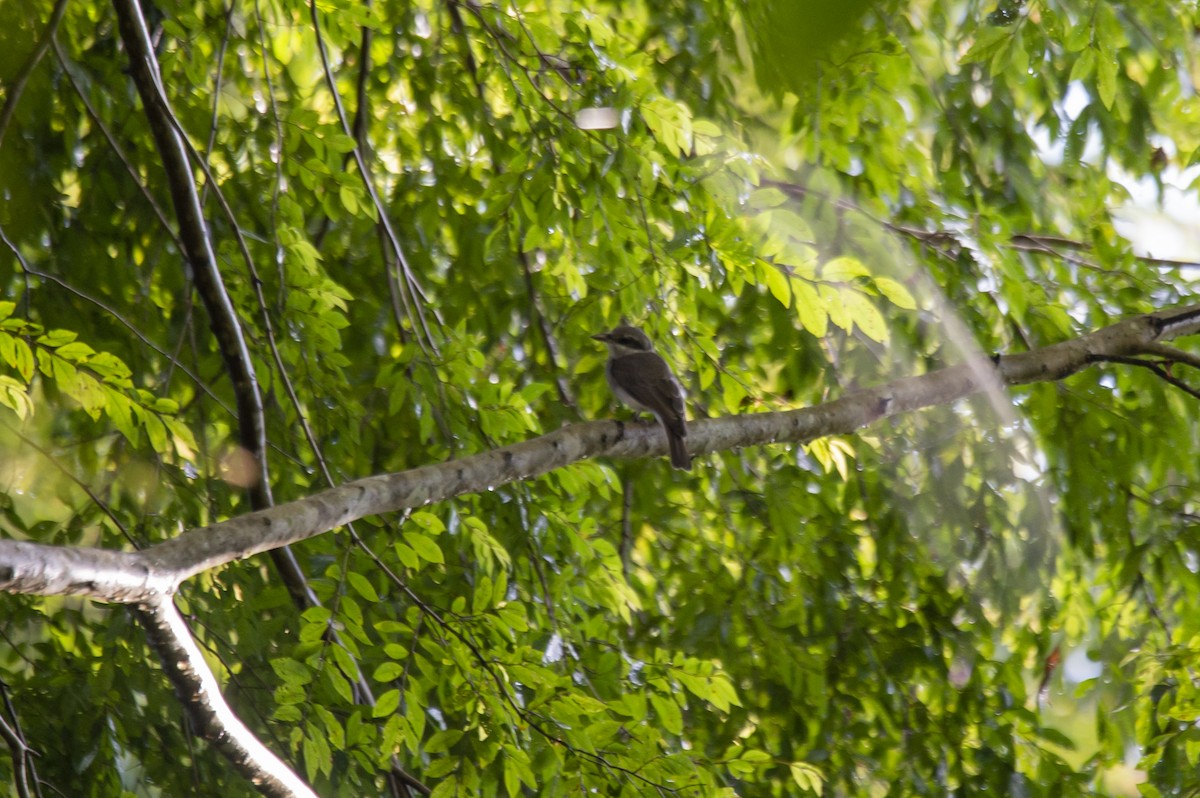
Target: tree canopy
297	385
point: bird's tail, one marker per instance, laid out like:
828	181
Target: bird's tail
679	453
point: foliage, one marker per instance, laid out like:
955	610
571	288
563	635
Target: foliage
788	218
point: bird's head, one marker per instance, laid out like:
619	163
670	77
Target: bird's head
625	340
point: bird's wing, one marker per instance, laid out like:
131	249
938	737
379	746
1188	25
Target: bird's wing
647	378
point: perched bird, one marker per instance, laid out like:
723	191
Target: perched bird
642	379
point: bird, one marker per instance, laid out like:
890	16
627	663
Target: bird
642	379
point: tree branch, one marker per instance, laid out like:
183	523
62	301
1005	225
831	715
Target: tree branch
411	292
198	690
68	69
221	727
193	231
197	245
1035	243
137	576
25	778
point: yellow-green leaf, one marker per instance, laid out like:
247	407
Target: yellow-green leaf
777	283
156	432
843	269
865	316
13	395
810	308
831	298
407	556
22	359
1106	77
807	777
896	293
56	338
428	521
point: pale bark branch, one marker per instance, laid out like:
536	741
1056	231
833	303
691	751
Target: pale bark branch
198	689
138	576
166	629
25	778
150	576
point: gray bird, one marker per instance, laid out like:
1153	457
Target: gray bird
642	379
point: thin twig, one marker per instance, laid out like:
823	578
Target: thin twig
197	244
114	313
79	483
1173	354
17	86
626	522
414	295
543	324
24	769
1153	366
159	213
502	689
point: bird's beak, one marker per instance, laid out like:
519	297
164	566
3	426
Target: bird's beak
602	337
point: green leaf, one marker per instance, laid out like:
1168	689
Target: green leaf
344	661
388	671
76	351
14	396
488	550
442	741
481	598
338	683
724	695
22	358
424	547
446	788
1084	65
988	42
441	767
777	282
389	702
670	122
349	198
766	198
319	616
291	671
362	586
668	713
156	432
512	779
428	522
407	556
56	338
